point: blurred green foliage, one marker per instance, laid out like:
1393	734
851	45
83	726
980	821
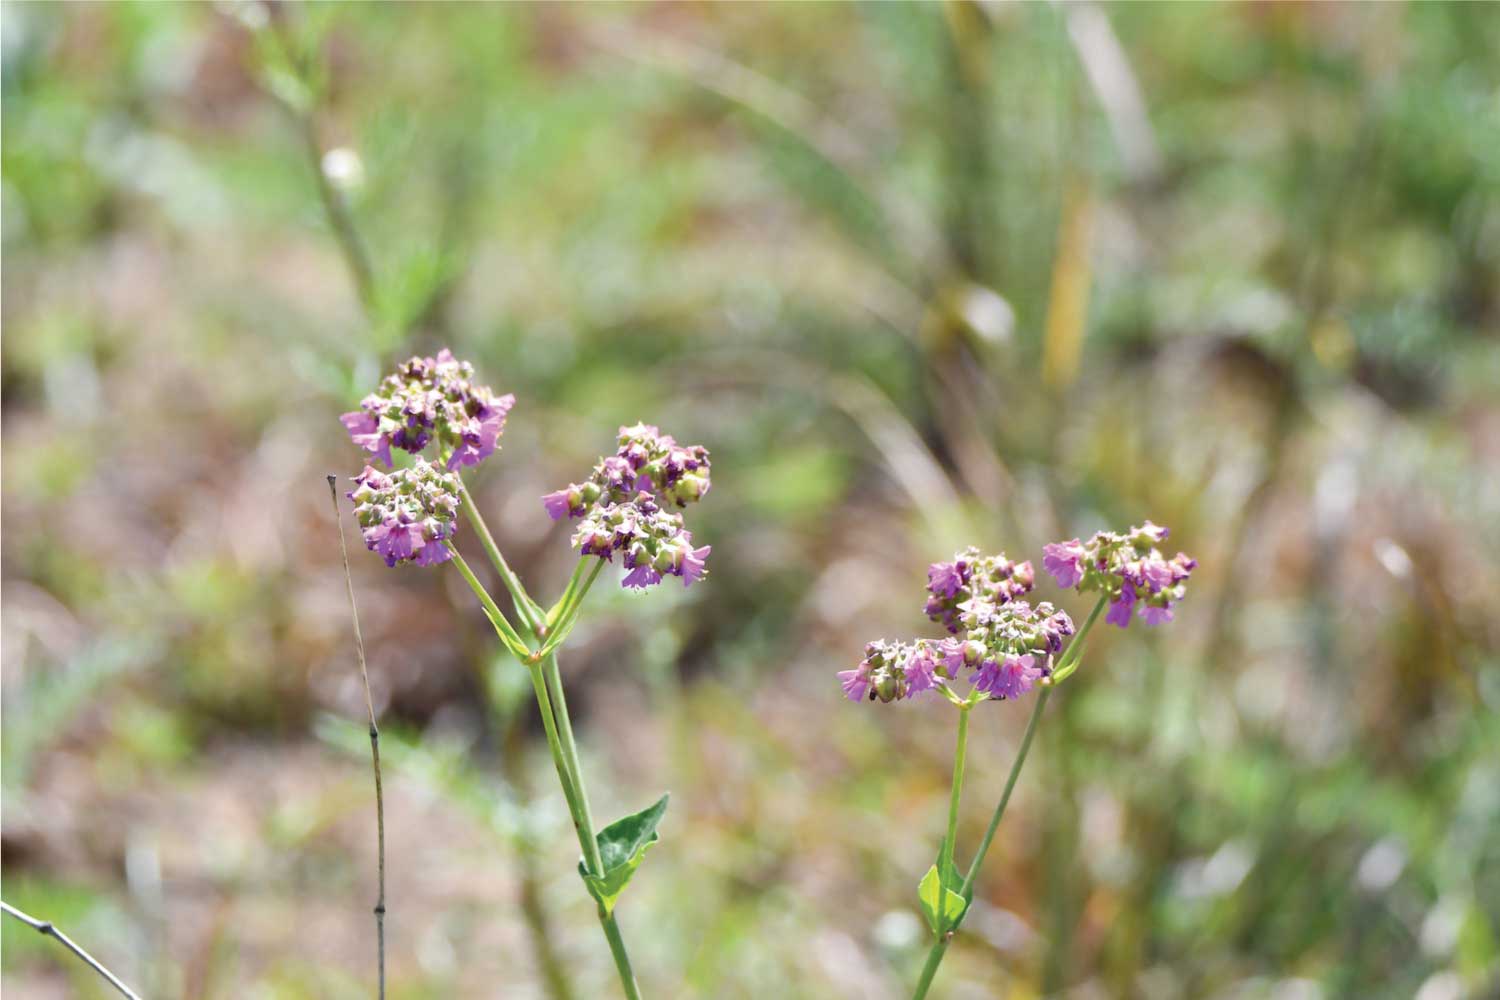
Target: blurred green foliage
828	241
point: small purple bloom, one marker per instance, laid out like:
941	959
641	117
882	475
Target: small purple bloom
364	430
559	504
1063	560
1119	609
1153	615
480	436
693	564
856	682
641	577
1156	573
944	579
1008	678
920	671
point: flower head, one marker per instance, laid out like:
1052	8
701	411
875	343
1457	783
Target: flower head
1127	569
431	400
623	507
1005	644
406	515
991	579
1010	677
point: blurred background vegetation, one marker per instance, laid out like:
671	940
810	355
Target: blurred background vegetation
919	276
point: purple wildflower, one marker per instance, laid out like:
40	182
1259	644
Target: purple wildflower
992	579
426	400
1063	560
560	504
856	682
921	671
1119	608
1152	615
1010	677
1127	569
407	515
622	507
998	637
944	579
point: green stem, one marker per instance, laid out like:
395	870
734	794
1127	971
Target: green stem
622	957
546	682
566	599
526	608
940	947
1069	662
929	969
593	861
565	758
568	614
946	858
1010	783
497	618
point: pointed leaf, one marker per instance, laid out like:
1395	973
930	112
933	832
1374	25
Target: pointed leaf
622	847
942	907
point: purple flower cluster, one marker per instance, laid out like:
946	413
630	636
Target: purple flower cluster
406	515
430	400
1007	643
1125	567
992	579
622	507
1007	647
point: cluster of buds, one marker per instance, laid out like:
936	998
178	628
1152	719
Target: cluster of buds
972	581
621	506
431	400
647	461
653	542
1127	568
407	515
1007	644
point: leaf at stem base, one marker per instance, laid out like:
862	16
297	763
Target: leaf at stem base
622	847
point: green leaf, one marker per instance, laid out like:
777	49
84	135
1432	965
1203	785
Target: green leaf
622	846
932	894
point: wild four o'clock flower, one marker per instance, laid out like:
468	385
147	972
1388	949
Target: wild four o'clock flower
630	505
1126	568
622	507
1006	647
431	400
406	515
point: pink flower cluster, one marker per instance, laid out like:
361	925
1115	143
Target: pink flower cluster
1127	568
407	515
429	400
621	506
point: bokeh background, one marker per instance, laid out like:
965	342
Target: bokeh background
919	276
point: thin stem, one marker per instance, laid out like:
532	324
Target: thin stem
553	677
555	612
364	674
1069	662
582	823
930	967
526	608
940	947
497	618
1010	783
946	857
622	957
569	614
45	928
